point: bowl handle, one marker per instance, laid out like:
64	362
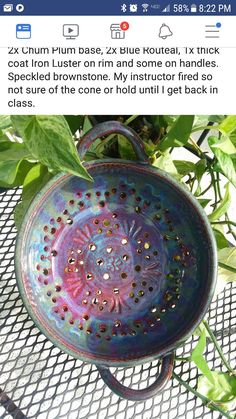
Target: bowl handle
110	127
143	394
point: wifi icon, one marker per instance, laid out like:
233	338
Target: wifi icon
145	7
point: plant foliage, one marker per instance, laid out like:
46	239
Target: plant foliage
34	148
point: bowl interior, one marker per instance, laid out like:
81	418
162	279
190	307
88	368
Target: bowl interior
116	270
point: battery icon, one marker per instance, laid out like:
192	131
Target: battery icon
193	8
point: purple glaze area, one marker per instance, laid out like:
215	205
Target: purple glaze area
112	267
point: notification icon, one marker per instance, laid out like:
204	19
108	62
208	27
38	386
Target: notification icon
124	26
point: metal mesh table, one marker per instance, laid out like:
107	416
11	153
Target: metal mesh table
39	381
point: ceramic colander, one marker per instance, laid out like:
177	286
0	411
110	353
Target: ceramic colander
118	271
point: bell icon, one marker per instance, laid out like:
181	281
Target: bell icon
164	31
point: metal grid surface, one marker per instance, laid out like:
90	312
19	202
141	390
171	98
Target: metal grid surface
40	381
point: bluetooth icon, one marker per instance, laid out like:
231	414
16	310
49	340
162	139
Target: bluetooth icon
123	8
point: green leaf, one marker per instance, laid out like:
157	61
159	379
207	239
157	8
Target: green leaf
233	138
95	151
169	119
150	148
227	259
226	266
126	150
19	213
221	241
228	125
87	125
201	330
24	167
184	167
159	122
200	347
225	161
13	151
216	118
198	358
178	134
221	391
3	137
5	121
36	178
75	122
203	202
49	140
203	120
224	144
11	158
223	207
165	162
200	168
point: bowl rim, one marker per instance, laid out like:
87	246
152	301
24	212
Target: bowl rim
212	271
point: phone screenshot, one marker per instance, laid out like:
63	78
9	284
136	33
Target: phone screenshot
117	209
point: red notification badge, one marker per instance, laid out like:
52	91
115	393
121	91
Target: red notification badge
124	26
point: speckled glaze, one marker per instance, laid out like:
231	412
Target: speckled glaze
119	271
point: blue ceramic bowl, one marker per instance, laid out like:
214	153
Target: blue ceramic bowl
120	271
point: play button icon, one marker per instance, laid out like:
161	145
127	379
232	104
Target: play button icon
70	31
20	8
